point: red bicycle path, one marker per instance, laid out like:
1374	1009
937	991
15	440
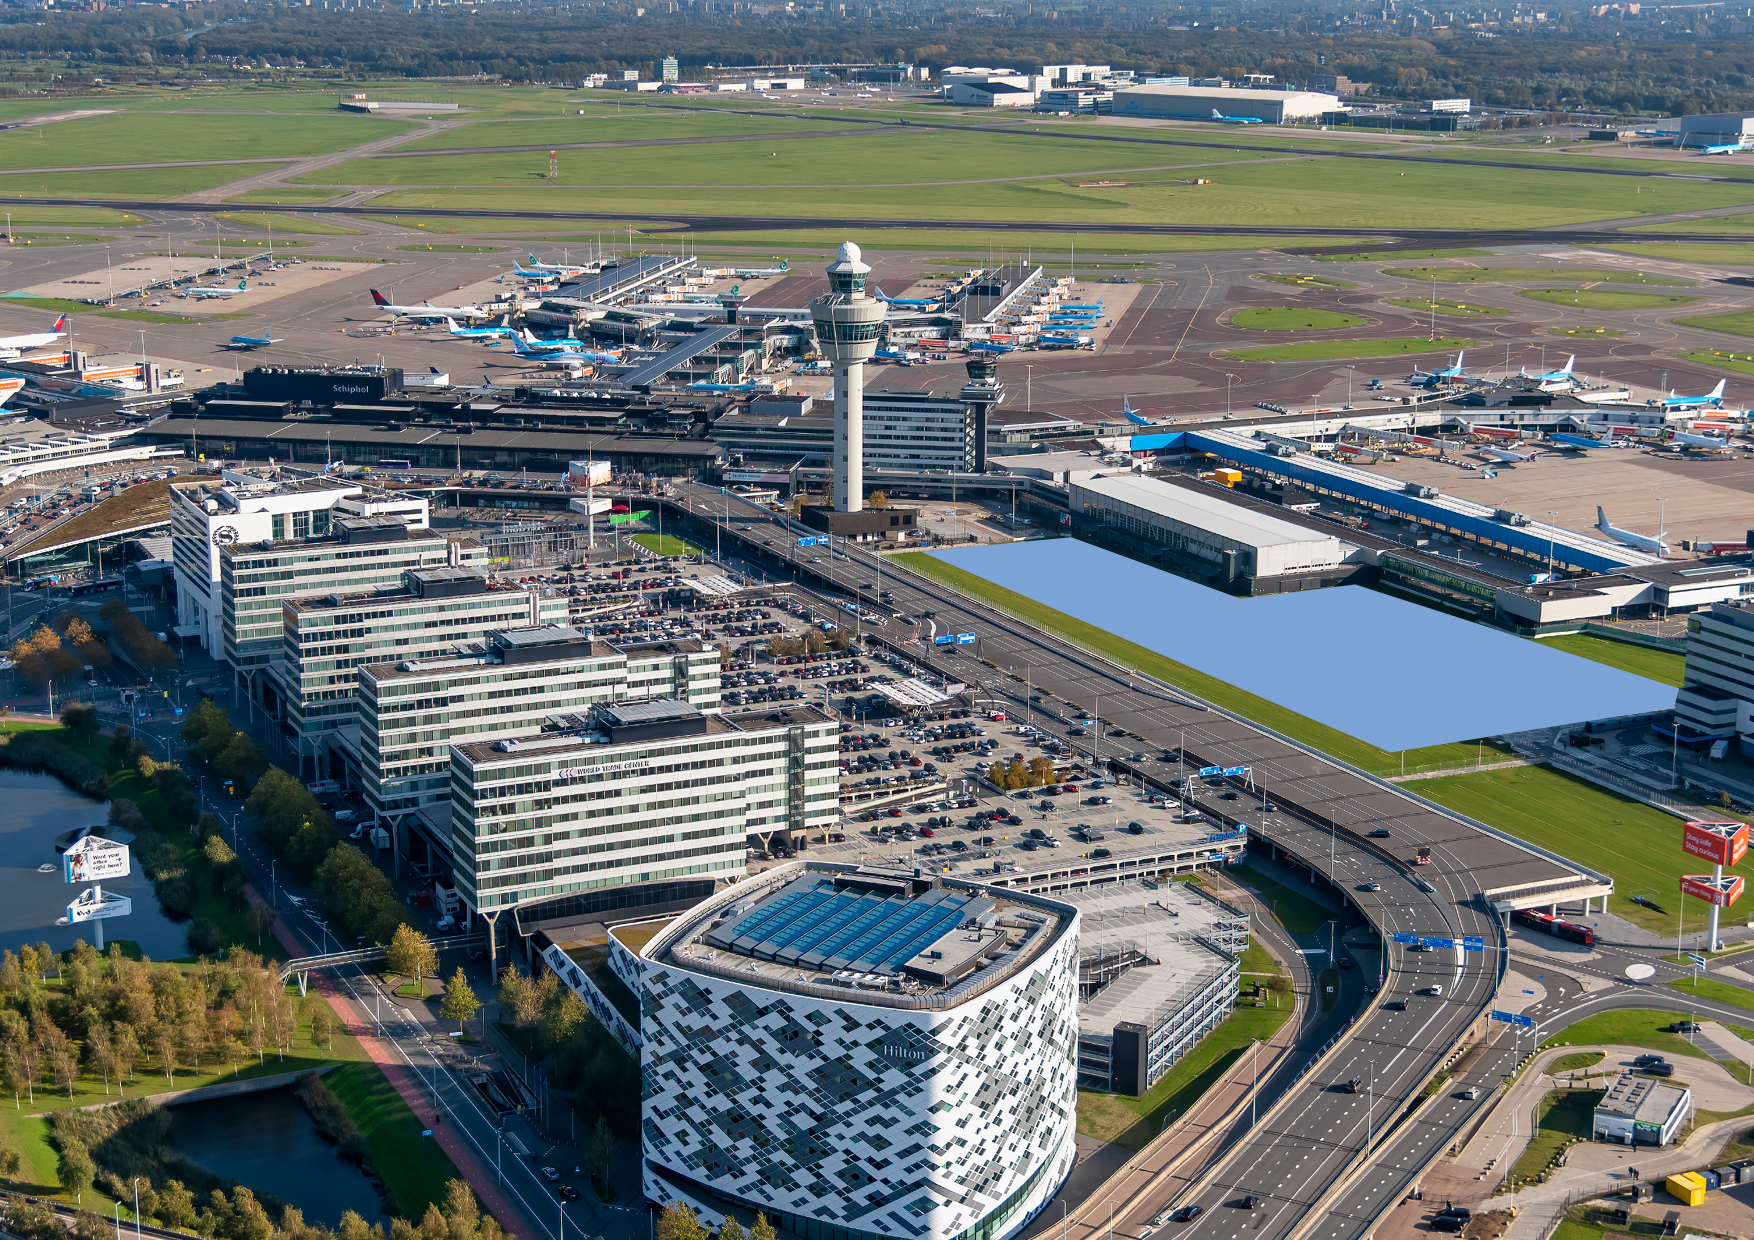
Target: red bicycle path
407	1084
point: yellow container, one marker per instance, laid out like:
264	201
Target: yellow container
1688	1188
1229	477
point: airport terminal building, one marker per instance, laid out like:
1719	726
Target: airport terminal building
862	1054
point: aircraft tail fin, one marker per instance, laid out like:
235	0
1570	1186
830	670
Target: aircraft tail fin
60	324
1217	115
1601	518
378	298
1569	363
1717	393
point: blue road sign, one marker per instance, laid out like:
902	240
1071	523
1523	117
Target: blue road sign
1431	940
1406	938
1234	770
965	639
945	640
1510	1018
1210	770
817	540
1698	961
1472	944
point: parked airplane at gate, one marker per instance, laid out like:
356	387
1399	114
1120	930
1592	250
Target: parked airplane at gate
1672	401
36	340
1643	542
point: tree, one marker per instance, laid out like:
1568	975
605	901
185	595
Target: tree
731	1229
460	1001
77	1169
81	720
165	1047
878	500
601	1151
519	997
258	919
462	1215
1280	985
322	1026
763	1230
411	954
10	1162
678	1222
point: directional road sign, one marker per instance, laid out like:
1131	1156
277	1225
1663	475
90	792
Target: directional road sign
1472	944
1698	961
1514	1018
1210	770
1406	938
1234	770
965	639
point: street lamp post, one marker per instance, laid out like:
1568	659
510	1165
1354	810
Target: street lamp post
1229	379
1349	372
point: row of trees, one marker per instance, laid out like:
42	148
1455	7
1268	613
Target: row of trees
679	1222
222	748
809	641
588	1061
1013	775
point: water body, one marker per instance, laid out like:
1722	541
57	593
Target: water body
268	1142
40	811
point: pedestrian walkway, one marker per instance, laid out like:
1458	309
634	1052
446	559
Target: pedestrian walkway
408	1085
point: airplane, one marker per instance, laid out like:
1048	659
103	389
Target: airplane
1072	320
1644	542
1447	372
981	346
501	328
896	355
426	310
1093	309
782	269
1236	120
565	269
1672	401
928	303
1505	454
560	361
1728	148
704	386
8	387
36	340
553	345
1558	380
1065	342
246	343
203	292
1131	414
1689	440
1584	442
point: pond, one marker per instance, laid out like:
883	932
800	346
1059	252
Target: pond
43	812
267	1141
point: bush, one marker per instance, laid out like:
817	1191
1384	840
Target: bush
176	895
205	938
40	751
126	815
358	895
138	642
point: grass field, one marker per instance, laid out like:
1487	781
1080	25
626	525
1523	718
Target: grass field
285	196
1636	844
665	544
1348	348
1505	275
1683	252
1575	1062
1582	331
1736	323
1599	299
1319	283
1565	1115
1641	1027
414	1169
1664	666
147	183
1716	991
1455	309
1256	959
1292	319
442	248
1128	654
1390	256
1295	911
273	221
124	139
597	125
1740	363
1134	1122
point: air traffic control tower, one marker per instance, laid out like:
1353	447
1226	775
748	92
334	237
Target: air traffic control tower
848	324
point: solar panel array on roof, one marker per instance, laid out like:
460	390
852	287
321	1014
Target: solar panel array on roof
811	925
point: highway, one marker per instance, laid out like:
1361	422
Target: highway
1312	1136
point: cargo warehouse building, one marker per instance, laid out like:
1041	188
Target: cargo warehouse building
862	1054
1197	103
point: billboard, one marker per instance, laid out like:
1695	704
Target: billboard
94	905
1721	892
587	473
94	860
1721	843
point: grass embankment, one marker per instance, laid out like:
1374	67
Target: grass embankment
1257	960
1575	1063
1636	844
1292	319
128	183
1319	283
1133	1122
1295	911
1736	323
443	248
414	1169
141	504
1716	991
1129	654
1650	662
1468	274
1390	256
273	221
1565	1115
121	138
1455	309
1599	299
1645	1028
1741	363
1583	331
1685	252
666	544
1328	349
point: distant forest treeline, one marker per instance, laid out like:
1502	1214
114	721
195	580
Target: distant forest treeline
1643	66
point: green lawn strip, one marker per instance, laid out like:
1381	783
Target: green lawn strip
598	125
1576	1062
665	544
1713	224
57	304
60	238
596	963
1292	319
1316	282
1599	299
286	196
512	224
1682	252
1645	1028
453	249
1650	662
1718	992
1128	654
128	183
1295	911
1742	364
1501	275
120	138
1256	959
1348	348
1328	985
414	1169
1638	845
1736	323
1454	308
1389	256
148	316
1571	1229
1134	1122
1565	1115
274	221
1582	331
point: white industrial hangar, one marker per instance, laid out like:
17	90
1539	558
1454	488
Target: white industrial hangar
1206	527
1197	103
